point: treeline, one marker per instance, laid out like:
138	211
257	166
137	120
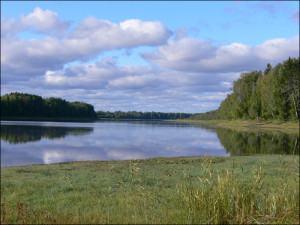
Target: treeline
271	95
210	115
142	115
27	105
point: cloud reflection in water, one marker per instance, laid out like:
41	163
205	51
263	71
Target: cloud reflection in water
24	144
38	143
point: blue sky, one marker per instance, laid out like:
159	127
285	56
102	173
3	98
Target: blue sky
176	56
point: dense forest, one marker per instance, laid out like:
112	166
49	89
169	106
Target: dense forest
271	95
210	115
142	115
26	105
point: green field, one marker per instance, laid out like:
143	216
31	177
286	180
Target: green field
247	189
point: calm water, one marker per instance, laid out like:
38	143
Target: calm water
26	143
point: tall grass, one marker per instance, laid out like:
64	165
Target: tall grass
230	201
214	190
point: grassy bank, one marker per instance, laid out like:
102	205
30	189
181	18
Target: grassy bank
248	189
251	124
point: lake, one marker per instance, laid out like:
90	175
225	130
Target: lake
27	143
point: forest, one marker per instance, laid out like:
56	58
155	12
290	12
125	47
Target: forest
270	95
28	105
142	115
210	115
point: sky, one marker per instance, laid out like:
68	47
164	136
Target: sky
164	56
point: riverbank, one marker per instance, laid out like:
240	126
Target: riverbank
251	124
293	125
183	190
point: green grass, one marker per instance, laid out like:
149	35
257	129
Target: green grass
290	126
247	189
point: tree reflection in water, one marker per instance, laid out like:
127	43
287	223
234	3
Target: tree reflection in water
235	142
23	134
252	142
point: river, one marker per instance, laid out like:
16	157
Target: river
27	143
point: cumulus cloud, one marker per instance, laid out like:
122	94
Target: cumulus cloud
84	75
108	76
183	49
190	54
129	33
10	27
278	49
91	37
111	87
45	22
187	74
135	82
39	21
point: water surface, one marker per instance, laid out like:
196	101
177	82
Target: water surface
26	143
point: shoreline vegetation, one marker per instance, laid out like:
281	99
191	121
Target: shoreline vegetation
250	124
22	105
182	190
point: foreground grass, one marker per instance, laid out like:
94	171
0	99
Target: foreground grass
248	189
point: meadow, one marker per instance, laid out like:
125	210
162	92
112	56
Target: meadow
182	190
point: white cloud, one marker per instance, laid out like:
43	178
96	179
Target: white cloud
84	75
129	33
187	74
90	38
194	55
45	22
135	82
39	21
183	49
141	88
278	49
10	27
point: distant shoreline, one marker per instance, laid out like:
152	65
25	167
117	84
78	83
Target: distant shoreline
263	124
